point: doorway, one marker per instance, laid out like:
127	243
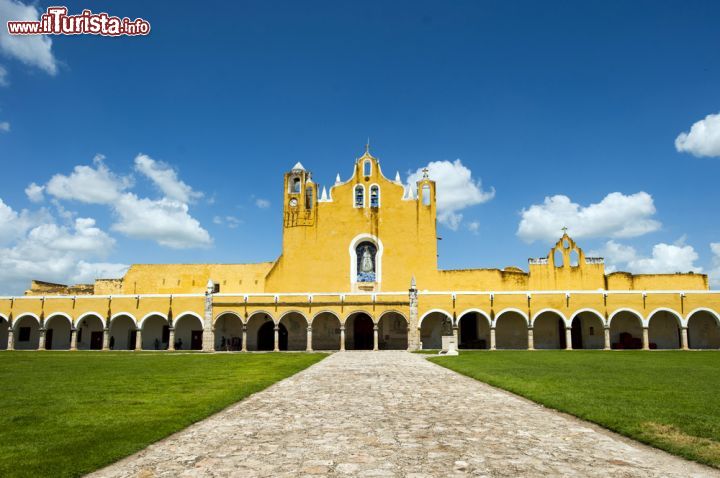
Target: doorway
363	332
196	340
266	336
96	340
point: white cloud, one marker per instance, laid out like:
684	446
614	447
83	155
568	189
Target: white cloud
165	221
35	192
88	184
87	272
33	50
715	271
474	227
456	190
166	179
262	203
703	138
616	216
230	221
5	126
665	258
3	76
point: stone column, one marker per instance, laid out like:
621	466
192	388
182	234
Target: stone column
568	338
138	340
277	338
607	338
375	337
171	340
492	338
531	339
41	343
684	338
646	339
342	338
73	339
11	338
208	344
106	339
309	339
413	329
244	338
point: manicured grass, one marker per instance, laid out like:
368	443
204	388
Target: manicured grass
68	413
670	400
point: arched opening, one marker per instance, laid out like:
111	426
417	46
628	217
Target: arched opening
374	196
392	332
664	330
228	332
188	333
626	330
432	328
426	195
254	324
266	337
549	331
90	333
474	331
366	257
295	185
309	197
326	332
123	333
4	333
359	196
155	333
574	258
359	332
703	330
588	331
367	168
296	331
511	331
558	258
26	333
58	330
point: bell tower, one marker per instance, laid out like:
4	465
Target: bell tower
300	197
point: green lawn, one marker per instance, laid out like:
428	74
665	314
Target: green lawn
670	400
68	413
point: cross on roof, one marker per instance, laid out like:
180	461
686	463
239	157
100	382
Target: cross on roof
564	229
425	172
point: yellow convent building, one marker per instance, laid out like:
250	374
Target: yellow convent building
358	270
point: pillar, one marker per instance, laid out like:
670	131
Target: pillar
607	338
138	340
276	329
413	327
208	338
683	338
244	338
492	338
456	334
106	339
342	338
171	339
41	343
11	339
646	339
531	339
73	339
309	339
375	337
568	338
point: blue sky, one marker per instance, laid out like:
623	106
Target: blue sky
562	101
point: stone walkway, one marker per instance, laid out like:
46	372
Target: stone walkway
383	414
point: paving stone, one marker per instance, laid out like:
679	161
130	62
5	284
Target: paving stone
394	414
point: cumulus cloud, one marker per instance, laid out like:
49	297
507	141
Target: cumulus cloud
262	203
456	190
230	221
33	50
89	184
35	192
616	216
5	127
166	179
474	227
715	271
703	138
665	258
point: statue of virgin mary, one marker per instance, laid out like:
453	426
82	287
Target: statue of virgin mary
366	264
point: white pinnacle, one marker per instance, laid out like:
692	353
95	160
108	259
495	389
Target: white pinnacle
299	166
397	177
337	179
324	194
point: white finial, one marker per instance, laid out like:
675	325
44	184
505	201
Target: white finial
413	285
299	166
210	286
324	195
397	177
337	179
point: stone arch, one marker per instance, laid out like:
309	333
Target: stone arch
326	331
4	331
474	329
359	331
188	331
664	329
26	332
352	250
511	329
155	331
58	332
703	329
123	331
433	325
228	328
257	338
296	325
588	329
392	331
549	330
89	331
626	329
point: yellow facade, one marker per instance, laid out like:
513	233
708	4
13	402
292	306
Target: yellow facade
364	250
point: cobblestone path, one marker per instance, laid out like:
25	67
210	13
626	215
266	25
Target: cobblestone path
383	414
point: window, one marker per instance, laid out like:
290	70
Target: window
367	168
24	335
558	258
295	185
574	258
308	198
426	195
359	196
375	196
